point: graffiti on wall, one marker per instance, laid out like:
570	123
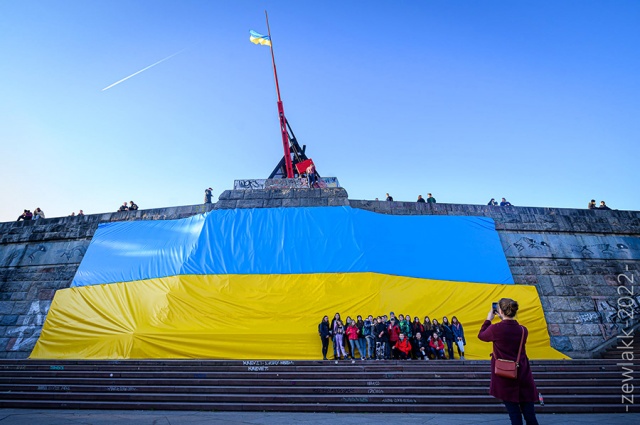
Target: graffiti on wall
27	333
253	184
599	250
248	184
610	316
528	243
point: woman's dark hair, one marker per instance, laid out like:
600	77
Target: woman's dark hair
508	306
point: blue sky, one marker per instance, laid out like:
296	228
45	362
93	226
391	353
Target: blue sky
536	101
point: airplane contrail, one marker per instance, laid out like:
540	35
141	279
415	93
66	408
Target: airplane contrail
144	69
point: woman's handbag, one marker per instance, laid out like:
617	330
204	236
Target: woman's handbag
508	368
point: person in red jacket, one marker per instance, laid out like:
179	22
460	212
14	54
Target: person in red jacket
402	348
520	394
394	333
353	335
437	346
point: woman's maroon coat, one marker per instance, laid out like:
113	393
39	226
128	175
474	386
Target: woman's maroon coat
506	337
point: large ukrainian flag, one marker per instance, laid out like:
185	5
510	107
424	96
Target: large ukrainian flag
255	283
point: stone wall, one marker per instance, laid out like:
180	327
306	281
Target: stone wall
575	258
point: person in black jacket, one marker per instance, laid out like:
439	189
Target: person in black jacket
420	347
381	338
447	336
325	335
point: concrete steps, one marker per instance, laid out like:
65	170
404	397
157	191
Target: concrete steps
574	386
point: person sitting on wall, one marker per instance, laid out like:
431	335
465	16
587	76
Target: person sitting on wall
123	207
389	198
132	206
492	202
437	346
430	199
26	215
80	213
421	199
592	205
603	206
402	348
38	213
505	203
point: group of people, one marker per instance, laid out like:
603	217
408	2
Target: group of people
430	199
503	203
131	207
28	215
38	214
392	337
592	205
405	340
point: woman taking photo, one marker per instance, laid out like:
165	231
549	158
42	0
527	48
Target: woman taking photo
509	338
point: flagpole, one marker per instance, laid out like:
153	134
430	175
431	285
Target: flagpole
283	121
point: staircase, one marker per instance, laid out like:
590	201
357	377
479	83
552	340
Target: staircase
569	386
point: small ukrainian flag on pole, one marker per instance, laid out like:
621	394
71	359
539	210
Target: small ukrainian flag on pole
257	38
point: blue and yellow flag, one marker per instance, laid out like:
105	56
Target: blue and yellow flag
257	38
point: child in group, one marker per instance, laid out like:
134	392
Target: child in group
338	332
402	349
437	346
458	334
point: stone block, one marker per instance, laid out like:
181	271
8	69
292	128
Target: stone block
21	307
5	307
291	202
9	320
592	342
314	202
257	194
567	329
236	194
46	294
588	329
335	202
273	203
544	285
250	203
577	343
18	296
554	317
554	329
226	204
279	193
561	343
558	303
580	304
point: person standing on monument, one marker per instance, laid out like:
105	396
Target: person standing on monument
311	175
207	196
509	338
